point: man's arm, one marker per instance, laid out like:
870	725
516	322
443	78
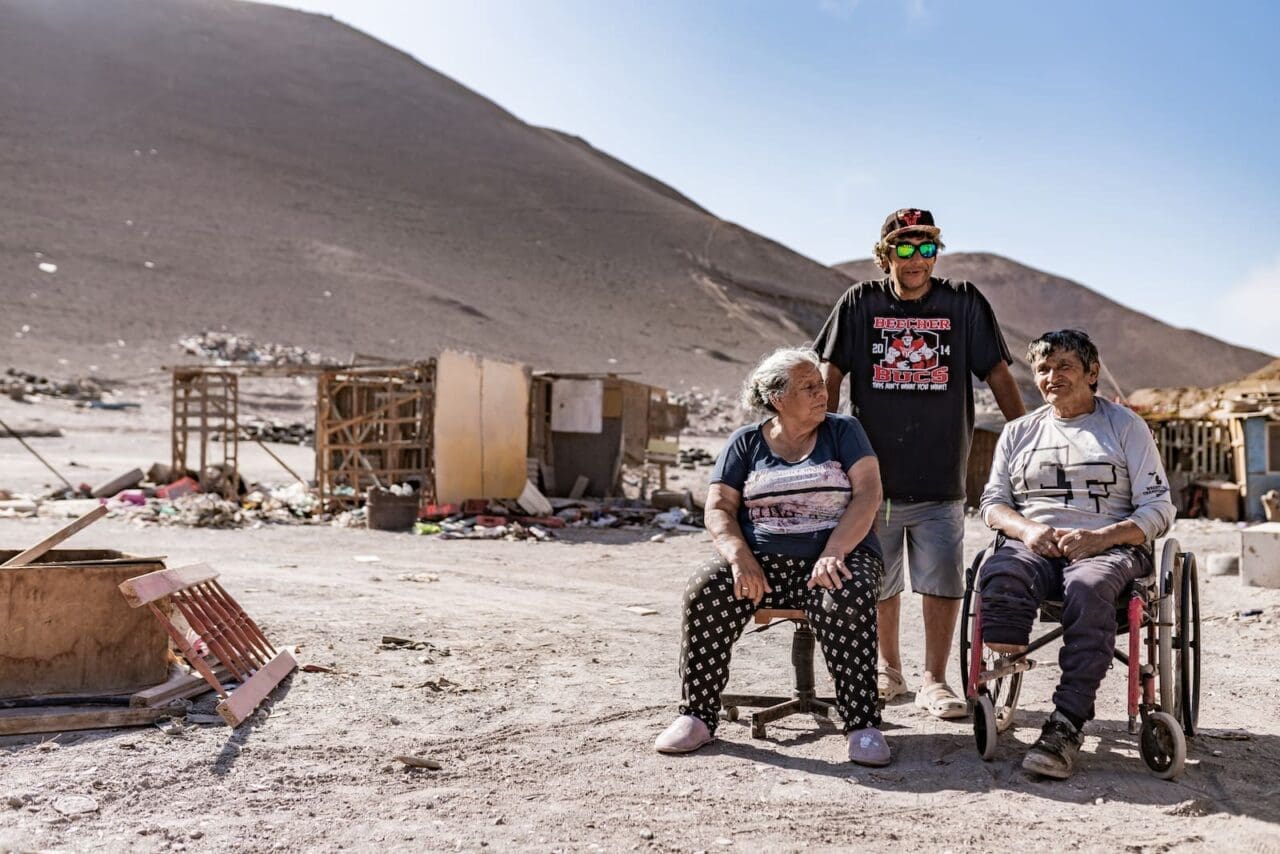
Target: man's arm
1005	388
832	376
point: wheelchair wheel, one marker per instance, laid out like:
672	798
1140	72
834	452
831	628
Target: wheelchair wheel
966	622
1166	622
1004	691
1163	746
1187	646
985	731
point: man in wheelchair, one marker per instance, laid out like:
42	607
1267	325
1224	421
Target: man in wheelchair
1077	490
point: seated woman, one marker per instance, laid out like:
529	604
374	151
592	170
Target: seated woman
1077	489
791	506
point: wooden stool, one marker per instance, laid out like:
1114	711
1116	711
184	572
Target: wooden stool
804	700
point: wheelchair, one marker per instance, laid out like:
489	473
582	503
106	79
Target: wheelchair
1160	612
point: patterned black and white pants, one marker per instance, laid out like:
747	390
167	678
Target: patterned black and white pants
844	622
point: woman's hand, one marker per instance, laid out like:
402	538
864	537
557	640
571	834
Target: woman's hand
748	578
830	572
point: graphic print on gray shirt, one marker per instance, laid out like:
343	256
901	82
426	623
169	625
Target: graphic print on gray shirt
1085	472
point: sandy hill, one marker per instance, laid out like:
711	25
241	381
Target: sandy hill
193	165
204	164
1138	350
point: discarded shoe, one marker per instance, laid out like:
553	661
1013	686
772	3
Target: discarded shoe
1054	753
685	735
868	747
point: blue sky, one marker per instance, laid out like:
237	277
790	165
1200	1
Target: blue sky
1129	146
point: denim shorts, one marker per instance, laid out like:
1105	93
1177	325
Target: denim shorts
929	535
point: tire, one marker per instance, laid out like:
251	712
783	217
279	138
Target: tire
985	733
1163	746
1187	647
966	622
1166	621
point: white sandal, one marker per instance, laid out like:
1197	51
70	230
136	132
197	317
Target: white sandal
889	683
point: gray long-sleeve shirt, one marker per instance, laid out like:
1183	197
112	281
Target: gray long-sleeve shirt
1085	472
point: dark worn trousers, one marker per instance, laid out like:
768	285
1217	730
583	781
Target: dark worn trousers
1015	580
843	621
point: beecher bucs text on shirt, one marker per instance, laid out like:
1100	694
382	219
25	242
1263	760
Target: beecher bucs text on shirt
911	366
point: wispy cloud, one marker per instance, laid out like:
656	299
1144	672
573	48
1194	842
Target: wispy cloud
1250	310
838	8
918	10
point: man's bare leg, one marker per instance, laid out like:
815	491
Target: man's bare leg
887	612
1006	648
939	630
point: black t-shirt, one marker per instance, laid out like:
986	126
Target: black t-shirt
911	366
792	508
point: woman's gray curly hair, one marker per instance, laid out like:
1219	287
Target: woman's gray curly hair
769	379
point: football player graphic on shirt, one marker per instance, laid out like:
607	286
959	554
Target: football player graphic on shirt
909	351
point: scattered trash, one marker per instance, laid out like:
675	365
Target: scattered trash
419	762
316	668
444	686
393	642
225	348
366	558
421	577
640	610
75	804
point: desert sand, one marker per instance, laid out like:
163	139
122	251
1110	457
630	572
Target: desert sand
552	692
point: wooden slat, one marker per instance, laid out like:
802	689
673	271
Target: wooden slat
56	537
181	686
66	718
155	585
236	708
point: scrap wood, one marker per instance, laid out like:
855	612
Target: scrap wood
63	718
31	554
233	639
180	686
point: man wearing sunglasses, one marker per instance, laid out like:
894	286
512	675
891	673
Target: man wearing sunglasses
911	344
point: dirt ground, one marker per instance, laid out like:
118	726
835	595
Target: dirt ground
544	737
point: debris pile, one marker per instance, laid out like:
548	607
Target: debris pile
691	458
225	348
711	414
20	385
275	430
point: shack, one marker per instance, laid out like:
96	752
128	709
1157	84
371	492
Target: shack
588	426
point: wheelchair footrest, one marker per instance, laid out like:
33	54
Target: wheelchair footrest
1004	667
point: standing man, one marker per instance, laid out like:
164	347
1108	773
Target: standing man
911	345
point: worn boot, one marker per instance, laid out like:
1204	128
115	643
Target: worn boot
1054	753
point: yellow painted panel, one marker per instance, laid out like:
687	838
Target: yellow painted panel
504	416
459	448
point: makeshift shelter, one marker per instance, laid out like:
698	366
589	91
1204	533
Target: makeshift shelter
588	426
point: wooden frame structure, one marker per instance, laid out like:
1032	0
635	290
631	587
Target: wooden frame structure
1201	448
375	427
205	404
